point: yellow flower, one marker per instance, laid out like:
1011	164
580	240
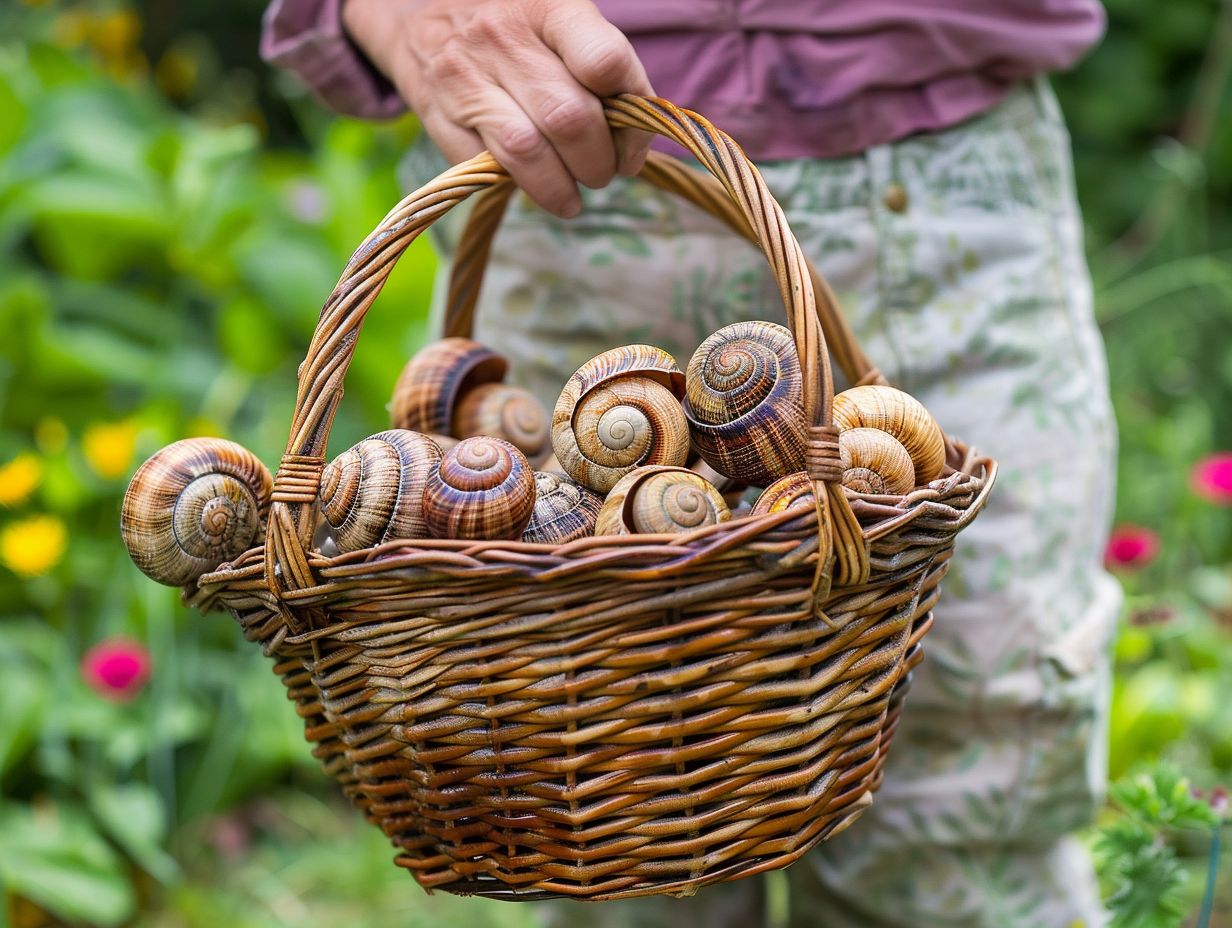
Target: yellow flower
18	478
109	447
33	546
201	427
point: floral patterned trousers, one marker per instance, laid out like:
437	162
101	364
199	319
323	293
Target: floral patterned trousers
957	257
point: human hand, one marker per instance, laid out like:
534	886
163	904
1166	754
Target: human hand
521	78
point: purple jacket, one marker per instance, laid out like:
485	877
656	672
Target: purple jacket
786	78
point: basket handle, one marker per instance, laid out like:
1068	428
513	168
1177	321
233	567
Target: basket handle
673	176
321	375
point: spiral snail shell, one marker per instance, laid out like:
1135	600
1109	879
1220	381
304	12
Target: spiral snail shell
620	410
484	489
745	402
657	500
880	407
192	506
563	510
875	462
793	490
373	492
433	380
504	411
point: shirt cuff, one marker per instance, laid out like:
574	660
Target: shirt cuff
306	37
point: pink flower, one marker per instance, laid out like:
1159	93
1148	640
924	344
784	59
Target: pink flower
1219	800
1131	547
117	669
1211	478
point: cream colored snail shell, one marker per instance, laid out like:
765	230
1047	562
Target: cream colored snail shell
880	407
433	380
745	402
484	489
655	500
373	492
786	492
504	411
875	462
619	411
192	506
564	511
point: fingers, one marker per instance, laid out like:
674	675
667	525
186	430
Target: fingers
523	79
632	147
601	59
482	115
595	52
571	118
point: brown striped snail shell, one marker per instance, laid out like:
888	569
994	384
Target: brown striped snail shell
484	489
745	402
786	492
436	377
875	462
504	411
619	411
876	406
192	506
373	492
564	511
655	500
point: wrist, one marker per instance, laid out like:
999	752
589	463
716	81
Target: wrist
369	25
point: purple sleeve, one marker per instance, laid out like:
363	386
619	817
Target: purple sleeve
306	37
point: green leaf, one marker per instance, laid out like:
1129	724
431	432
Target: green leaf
55	858
133	816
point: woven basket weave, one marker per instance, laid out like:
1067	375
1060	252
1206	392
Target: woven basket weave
617	716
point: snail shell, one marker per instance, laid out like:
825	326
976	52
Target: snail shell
656	500
619	411
373	492
875	462
434	379
793	490
504	411
901	415
563	510
484	489
745	402
192	506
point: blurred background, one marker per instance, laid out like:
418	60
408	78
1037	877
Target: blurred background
172	215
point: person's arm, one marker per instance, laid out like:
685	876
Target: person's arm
521	78
306	38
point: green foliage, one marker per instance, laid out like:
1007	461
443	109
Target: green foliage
159	276
1146	879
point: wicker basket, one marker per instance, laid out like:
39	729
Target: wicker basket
617	716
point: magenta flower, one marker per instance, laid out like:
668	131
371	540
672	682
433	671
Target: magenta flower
1211	478
1130	547
117	669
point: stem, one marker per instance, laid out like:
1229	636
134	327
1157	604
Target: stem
1212	871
